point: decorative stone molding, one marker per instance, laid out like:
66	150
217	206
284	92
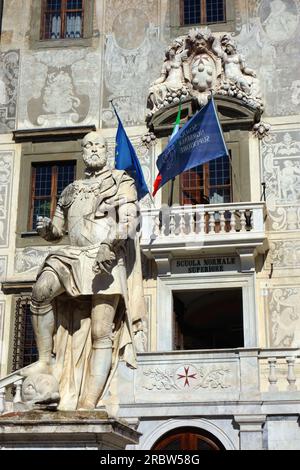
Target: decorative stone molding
186	377
199	64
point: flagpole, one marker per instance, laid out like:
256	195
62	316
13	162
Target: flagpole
170	200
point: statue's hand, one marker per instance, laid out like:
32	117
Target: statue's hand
43	226
103	260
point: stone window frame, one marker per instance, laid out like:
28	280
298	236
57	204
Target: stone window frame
177	29
41	152
35	28
167	285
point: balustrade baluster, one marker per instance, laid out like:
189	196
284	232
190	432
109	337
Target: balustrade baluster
191	222
291	377
18	396
232	221
243	221
172	225
272	374
222	221
2	400
182	223
212	222
156	225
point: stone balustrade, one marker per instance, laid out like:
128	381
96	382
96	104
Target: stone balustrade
195	376
213	224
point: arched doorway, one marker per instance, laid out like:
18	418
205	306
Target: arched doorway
188	438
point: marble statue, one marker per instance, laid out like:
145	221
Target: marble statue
79	343
199	64
170	86
234	64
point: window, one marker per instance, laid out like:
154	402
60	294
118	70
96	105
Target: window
62	19
202	11
47	182
208	183
25	351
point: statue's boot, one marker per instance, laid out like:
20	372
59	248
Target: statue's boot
43	325
98	373
43	365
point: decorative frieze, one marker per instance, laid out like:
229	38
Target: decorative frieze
187	377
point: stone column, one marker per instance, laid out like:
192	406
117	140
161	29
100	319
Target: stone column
251	430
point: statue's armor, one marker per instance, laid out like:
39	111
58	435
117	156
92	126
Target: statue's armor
84	205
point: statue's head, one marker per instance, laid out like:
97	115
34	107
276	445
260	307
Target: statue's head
94	151
40	387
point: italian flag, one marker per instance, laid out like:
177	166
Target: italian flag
157	182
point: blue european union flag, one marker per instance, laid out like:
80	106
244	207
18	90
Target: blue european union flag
126	159
198	141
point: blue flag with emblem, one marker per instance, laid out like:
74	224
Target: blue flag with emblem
126	159
198	141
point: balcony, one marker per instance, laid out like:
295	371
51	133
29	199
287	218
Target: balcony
220	227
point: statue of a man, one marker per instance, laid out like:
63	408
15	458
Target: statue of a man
100	213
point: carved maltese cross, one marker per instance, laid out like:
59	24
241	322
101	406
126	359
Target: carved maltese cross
184	376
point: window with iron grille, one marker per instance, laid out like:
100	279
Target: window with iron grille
47	182
209	183
202	12
25	350
62	19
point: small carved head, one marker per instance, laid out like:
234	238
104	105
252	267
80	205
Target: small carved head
39	388
94	151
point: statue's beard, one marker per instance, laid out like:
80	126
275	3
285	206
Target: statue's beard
94	162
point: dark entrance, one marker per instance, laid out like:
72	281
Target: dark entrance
208	319
188	439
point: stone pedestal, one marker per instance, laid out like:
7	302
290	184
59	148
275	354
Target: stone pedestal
82	430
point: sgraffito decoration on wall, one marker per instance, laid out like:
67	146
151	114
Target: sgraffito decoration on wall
268	33
281	173
284	317
6	175
133	54
55	90
9	79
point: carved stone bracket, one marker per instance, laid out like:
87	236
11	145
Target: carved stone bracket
261	130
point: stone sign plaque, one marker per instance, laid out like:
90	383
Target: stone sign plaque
208	264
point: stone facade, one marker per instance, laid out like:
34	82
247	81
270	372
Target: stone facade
67	86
